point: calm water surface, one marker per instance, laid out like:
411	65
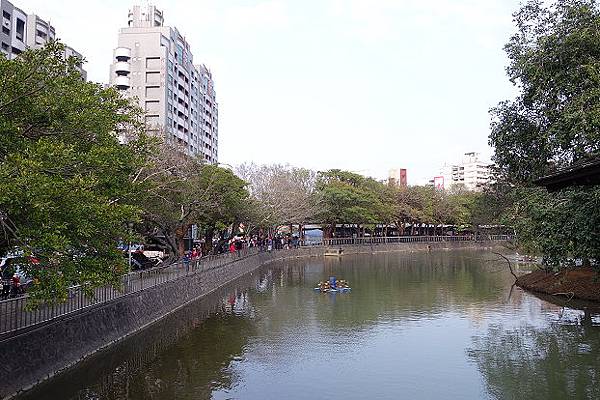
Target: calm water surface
442	325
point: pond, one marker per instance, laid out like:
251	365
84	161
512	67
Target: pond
440	325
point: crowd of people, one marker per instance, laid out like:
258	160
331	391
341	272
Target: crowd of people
263	243
239	243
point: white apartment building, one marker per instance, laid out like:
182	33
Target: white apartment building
154	64
21	31
13	36
471	171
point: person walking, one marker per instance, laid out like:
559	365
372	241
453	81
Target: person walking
186	261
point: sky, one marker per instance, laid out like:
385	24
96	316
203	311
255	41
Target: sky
362	85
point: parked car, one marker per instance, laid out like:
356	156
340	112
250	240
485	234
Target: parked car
140	261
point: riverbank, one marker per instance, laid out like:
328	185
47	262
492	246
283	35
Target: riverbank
580	283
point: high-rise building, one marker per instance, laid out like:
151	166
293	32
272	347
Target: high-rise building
154	64
14	34
471	172
398	177
40	32
21	30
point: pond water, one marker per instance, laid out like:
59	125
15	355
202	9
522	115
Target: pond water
440	325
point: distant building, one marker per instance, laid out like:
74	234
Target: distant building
472	172
21	31
154	64
398	177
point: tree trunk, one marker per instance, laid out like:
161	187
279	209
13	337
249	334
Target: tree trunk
180	238
207	247
327	231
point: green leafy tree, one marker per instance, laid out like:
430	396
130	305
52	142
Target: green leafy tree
346	199
554	122
66	183
183	190
555	64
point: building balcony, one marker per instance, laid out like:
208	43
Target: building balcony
122	68
122	82
122	53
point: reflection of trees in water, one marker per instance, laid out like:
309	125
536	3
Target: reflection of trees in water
186	347
555	362
197	365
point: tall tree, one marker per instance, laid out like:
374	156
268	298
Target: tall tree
182	190
554	122
555	64
346	199
282	194
66	183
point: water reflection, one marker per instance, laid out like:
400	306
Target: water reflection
417	325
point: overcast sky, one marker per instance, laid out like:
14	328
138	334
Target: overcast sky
364	85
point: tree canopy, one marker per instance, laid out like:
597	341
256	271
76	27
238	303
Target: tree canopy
554	61
554	122
66	188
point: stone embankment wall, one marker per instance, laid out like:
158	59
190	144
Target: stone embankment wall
33	356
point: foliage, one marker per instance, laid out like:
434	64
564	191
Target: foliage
65	180
562	226
282	194
182	190
555	64
554	122
347	198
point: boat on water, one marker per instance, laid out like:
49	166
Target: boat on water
333	286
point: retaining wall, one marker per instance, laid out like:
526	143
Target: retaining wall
33	356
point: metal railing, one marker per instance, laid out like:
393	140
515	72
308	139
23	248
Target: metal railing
413	239
15	315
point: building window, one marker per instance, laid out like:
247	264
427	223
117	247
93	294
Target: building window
5	30
153	92
153	77
153	63
20	29
153	106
